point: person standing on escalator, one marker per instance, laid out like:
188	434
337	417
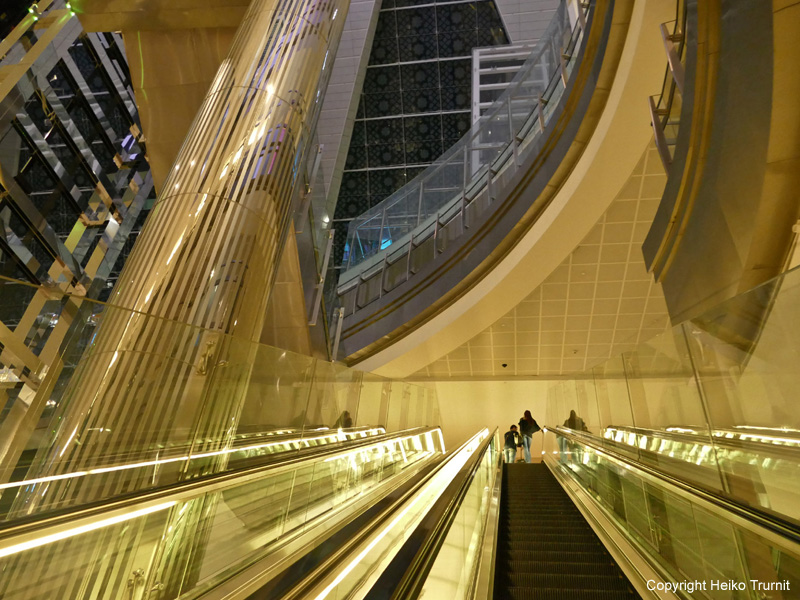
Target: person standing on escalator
528	426
512	442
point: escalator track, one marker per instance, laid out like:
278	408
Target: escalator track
546	549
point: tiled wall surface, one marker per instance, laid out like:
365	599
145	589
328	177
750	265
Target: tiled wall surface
598	303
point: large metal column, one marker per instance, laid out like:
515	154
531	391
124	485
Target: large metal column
153	383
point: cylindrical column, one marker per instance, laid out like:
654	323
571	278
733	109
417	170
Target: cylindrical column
166	373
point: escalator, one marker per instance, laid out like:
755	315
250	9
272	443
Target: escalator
546	549
585	524
395	517
225	534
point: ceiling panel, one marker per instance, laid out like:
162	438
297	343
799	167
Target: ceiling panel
598	303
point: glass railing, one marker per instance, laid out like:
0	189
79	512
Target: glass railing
412	226
712	400
665	109
184	542
699	549
231	400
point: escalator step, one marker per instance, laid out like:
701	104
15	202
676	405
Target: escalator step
527	531
563	567
546	555
562	547
575	581
546	549
561	594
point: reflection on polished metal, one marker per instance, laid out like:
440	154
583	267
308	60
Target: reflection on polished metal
207	256
74	189
270	514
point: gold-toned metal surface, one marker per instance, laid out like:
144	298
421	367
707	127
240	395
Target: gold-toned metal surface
207	256
158	15
171	72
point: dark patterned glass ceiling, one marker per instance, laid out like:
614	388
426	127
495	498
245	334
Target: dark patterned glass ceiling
416	99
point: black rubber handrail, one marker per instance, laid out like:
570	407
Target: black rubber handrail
758	517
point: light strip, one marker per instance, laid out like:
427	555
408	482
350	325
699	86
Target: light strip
62	535
379	444
148	463
447	473
42	479
151	463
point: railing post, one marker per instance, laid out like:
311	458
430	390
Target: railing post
383	275
464	191
338	335
489	185
674	60
658	130
321	282
419	202
303	219
513	134
540	108
380	233
352	245
563	66
408	258
435	234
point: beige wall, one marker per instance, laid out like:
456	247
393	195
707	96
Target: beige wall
467	406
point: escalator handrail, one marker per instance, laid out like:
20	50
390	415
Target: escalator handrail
20	529
316	579
704	438
405	575
773	523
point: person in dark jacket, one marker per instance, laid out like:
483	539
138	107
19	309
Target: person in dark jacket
345	421
512	442
575	422
528	426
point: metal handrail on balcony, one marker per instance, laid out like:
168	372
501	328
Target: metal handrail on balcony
418	221
664	110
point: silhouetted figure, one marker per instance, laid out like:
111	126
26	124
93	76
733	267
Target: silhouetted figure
575	422
344	421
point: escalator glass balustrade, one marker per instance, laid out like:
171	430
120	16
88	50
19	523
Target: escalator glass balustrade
185	540
694	540
232	403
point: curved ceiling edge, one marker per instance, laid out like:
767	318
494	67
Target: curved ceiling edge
622	132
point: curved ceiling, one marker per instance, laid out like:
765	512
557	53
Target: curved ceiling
599	302
610	158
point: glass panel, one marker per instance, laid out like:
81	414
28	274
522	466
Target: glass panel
664	398
696	543
709	402
229	401
462	171
373	556
452	572
183	547
745	352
